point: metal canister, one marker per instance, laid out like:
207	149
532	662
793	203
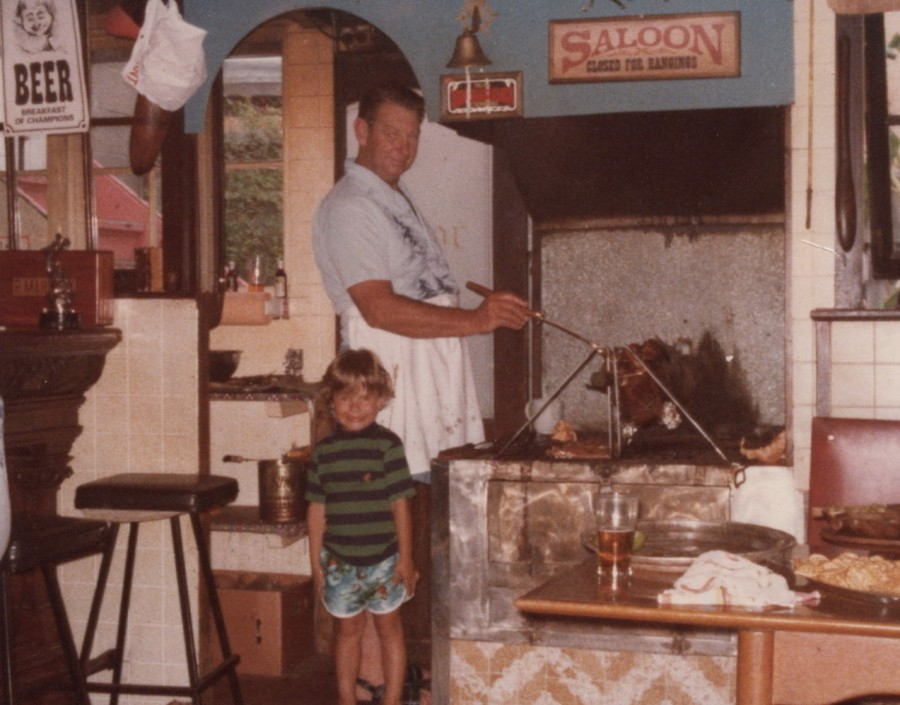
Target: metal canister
282	484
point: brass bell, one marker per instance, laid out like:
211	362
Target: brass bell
467	52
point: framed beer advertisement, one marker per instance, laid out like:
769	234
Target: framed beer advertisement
651	48
44	82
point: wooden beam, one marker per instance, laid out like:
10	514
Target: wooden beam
863	7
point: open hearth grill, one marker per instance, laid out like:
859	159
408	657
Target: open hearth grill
645	401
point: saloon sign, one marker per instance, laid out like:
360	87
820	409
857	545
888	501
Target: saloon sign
662	47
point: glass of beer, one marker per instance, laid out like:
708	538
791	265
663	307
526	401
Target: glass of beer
616	515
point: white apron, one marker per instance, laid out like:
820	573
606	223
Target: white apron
435	406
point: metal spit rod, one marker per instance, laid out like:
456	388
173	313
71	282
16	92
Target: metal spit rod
595	348
484	291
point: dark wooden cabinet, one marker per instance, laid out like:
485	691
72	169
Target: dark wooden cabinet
44	376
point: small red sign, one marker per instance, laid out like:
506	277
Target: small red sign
482	96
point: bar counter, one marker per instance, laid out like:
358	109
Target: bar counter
576	594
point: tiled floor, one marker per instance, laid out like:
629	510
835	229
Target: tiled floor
313	684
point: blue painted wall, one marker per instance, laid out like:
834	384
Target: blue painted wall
517	40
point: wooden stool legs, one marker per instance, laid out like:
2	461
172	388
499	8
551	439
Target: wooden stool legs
113	659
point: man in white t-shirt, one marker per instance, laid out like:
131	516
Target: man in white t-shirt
389	282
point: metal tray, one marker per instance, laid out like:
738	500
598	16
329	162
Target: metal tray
876	599
890	547
671	546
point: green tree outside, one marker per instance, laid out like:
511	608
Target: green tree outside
253	180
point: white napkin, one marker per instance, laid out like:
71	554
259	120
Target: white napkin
722	578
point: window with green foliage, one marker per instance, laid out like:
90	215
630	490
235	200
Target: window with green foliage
252	117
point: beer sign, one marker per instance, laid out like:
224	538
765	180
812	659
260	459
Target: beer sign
661	47
43	77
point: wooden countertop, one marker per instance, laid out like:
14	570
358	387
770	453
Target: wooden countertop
576	593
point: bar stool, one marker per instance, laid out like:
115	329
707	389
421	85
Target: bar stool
44	542
133	498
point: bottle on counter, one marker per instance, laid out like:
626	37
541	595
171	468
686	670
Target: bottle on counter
280	291
231	277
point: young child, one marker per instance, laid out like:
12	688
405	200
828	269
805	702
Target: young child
34	26
358	489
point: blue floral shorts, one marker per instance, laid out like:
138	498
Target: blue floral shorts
350	589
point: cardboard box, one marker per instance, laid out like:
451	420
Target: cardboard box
24	284
269	617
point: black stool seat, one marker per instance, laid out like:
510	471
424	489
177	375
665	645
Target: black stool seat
144	491
43	542
133	498
36	540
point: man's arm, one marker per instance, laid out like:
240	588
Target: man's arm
382	308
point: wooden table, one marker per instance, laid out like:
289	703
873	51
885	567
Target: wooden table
576	594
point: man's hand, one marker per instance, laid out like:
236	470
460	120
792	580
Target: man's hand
504	309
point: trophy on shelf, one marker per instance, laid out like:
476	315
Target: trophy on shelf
59	314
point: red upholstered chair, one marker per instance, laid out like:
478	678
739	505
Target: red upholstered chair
853	461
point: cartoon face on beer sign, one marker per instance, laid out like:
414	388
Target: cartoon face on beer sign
662	47
43	78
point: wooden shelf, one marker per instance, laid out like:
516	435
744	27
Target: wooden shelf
233	390
853	314
245	519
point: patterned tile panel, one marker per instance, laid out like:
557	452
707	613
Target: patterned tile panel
489	673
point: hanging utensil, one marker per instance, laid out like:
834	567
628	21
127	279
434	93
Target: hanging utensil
845	189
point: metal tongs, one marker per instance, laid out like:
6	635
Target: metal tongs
611	356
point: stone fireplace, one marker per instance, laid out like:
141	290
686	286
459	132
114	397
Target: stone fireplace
44	376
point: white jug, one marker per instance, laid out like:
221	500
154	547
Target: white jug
548	418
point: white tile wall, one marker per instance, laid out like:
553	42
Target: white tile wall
811	284
141	416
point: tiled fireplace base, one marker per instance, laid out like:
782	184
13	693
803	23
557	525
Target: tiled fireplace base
491	673
500	528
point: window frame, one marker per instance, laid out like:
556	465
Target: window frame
885	250
178	197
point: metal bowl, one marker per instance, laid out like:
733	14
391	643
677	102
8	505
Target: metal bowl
671	546
222	364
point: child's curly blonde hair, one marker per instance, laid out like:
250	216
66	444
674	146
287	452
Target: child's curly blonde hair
356	369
